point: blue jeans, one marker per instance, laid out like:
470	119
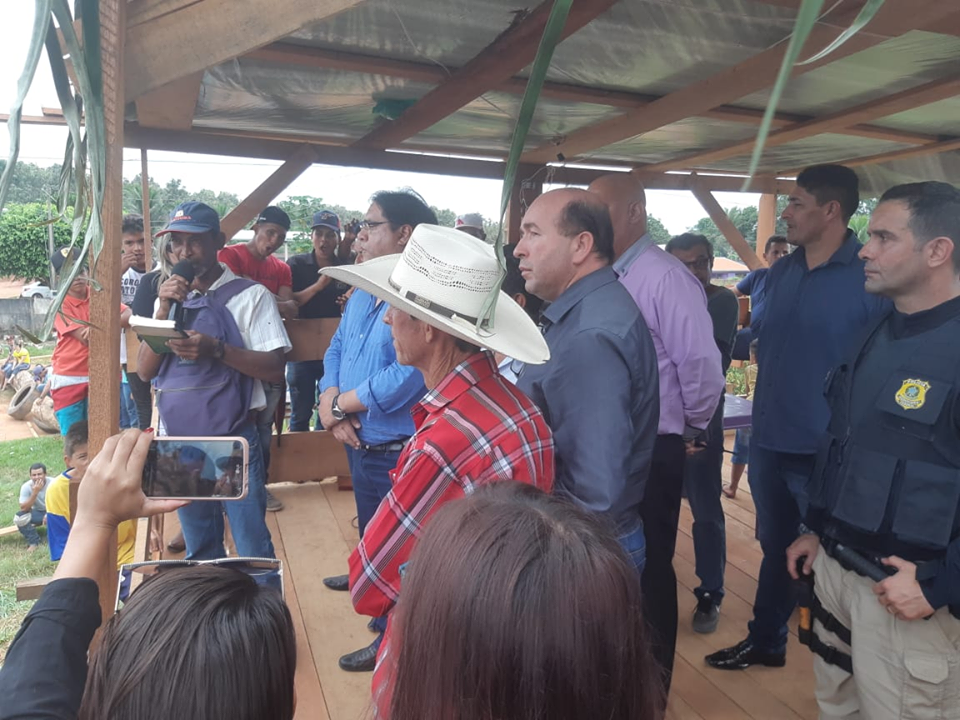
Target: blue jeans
128	408
274	392
779	485
741	447
29	531
302	379
702	482
202	520
370	476
635	545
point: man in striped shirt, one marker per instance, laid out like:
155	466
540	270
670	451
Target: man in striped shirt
473	427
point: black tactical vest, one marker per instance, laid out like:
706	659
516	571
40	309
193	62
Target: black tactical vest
887	478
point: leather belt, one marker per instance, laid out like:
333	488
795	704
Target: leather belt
395	446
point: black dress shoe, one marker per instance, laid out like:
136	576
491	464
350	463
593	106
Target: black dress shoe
364	660
743	655
337	582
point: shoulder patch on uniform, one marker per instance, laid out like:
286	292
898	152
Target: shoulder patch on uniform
912	394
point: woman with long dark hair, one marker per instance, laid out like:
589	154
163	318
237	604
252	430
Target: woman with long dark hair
516	605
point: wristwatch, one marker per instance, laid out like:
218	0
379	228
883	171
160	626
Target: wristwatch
335	410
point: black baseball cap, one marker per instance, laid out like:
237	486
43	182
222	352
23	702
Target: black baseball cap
274	215
65	256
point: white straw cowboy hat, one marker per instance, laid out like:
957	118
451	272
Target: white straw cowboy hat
443	277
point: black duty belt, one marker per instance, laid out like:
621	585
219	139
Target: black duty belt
395	446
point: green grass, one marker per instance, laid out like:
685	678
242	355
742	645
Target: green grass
16	564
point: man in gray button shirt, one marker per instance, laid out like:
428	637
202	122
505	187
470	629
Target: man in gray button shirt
599	391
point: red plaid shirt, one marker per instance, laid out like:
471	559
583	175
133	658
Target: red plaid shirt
473	428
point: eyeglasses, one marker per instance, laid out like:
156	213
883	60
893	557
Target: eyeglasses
698	264
254	567
371	224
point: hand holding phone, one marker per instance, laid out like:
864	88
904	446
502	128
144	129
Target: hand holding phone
197	468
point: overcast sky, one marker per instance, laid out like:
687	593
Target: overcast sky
350	187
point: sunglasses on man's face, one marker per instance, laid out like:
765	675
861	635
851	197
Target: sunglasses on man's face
146	571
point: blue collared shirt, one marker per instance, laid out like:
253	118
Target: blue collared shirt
361	357
811	321
600	396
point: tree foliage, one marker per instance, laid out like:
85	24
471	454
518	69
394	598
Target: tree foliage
164	199
656	230
32	184
23	241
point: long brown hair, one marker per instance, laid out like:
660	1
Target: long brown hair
519	606
202	642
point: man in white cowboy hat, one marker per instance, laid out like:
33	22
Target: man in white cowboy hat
600	390
472	427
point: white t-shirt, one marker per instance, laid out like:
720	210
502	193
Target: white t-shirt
26	490
129	282
255	312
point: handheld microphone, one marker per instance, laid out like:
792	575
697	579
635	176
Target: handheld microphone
184	269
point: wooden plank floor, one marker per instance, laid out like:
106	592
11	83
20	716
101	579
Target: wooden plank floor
315	533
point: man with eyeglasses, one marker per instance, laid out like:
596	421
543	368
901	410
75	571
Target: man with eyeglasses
702	475
674	306
366	395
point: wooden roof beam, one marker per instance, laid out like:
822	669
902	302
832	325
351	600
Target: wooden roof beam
882	107
170	39
279	148
289	54
512	51
725	225
171	106
751	75
948	145
279	180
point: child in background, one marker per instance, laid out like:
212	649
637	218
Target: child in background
76	458
741	445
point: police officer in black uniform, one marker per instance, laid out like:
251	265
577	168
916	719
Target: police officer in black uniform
883	535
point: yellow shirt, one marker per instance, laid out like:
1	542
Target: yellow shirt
58	503
21	356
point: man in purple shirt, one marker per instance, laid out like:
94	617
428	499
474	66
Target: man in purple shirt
674	305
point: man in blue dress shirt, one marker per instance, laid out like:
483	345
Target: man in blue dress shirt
816	307
366	395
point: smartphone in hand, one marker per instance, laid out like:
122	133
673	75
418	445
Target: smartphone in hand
197	468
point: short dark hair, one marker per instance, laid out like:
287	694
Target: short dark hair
466	345
773	240
76	436
38	466
514	284
688	241
226	645
589	216
832	183
518	604
404	207
934	211
132	223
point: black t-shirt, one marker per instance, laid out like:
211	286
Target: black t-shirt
146	296
305	271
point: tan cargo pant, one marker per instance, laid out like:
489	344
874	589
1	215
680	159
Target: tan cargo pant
901	668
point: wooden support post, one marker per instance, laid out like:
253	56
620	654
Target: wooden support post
302	158
105	302
729	230
145	199
766	220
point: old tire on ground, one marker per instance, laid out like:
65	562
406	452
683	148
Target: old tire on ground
43	416
21	380
22	403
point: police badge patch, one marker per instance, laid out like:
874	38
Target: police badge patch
912	394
